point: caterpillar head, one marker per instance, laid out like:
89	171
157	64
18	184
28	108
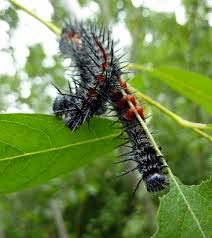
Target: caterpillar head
156	182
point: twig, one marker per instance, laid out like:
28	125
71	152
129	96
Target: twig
182	122
50	25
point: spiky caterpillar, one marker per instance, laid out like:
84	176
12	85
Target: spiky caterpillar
100	82
92	50
92	53
148	162
76	108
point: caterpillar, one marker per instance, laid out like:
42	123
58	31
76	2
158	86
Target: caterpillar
99	84
148	163
92	52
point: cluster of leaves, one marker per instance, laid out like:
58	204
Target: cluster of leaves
87	199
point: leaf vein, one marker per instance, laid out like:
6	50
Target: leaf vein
188	206
59	148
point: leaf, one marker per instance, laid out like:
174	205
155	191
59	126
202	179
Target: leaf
194	86
137	82
35	148
186	211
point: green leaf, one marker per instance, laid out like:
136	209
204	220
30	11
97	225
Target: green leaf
186	211
137	82
35	148
194	86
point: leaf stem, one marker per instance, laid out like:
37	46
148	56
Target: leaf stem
182	122
203	134
50	25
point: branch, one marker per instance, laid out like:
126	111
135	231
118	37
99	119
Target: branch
50	25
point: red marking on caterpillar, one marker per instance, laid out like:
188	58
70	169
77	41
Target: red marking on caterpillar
140	112
130	114
104	65
73	37
100	77
122	102
123	85
131	98
104	55
100	83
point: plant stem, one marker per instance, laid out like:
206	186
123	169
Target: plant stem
203	134
50	25
182	122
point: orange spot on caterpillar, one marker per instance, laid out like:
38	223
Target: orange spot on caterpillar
140	111
131	98
130	114
72	36
100	78
104	65
123	85
122	103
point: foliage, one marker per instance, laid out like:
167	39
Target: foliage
191	216
50	152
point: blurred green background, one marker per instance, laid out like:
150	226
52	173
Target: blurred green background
90	202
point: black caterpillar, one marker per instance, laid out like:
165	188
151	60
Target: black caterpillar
100	84
93	54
